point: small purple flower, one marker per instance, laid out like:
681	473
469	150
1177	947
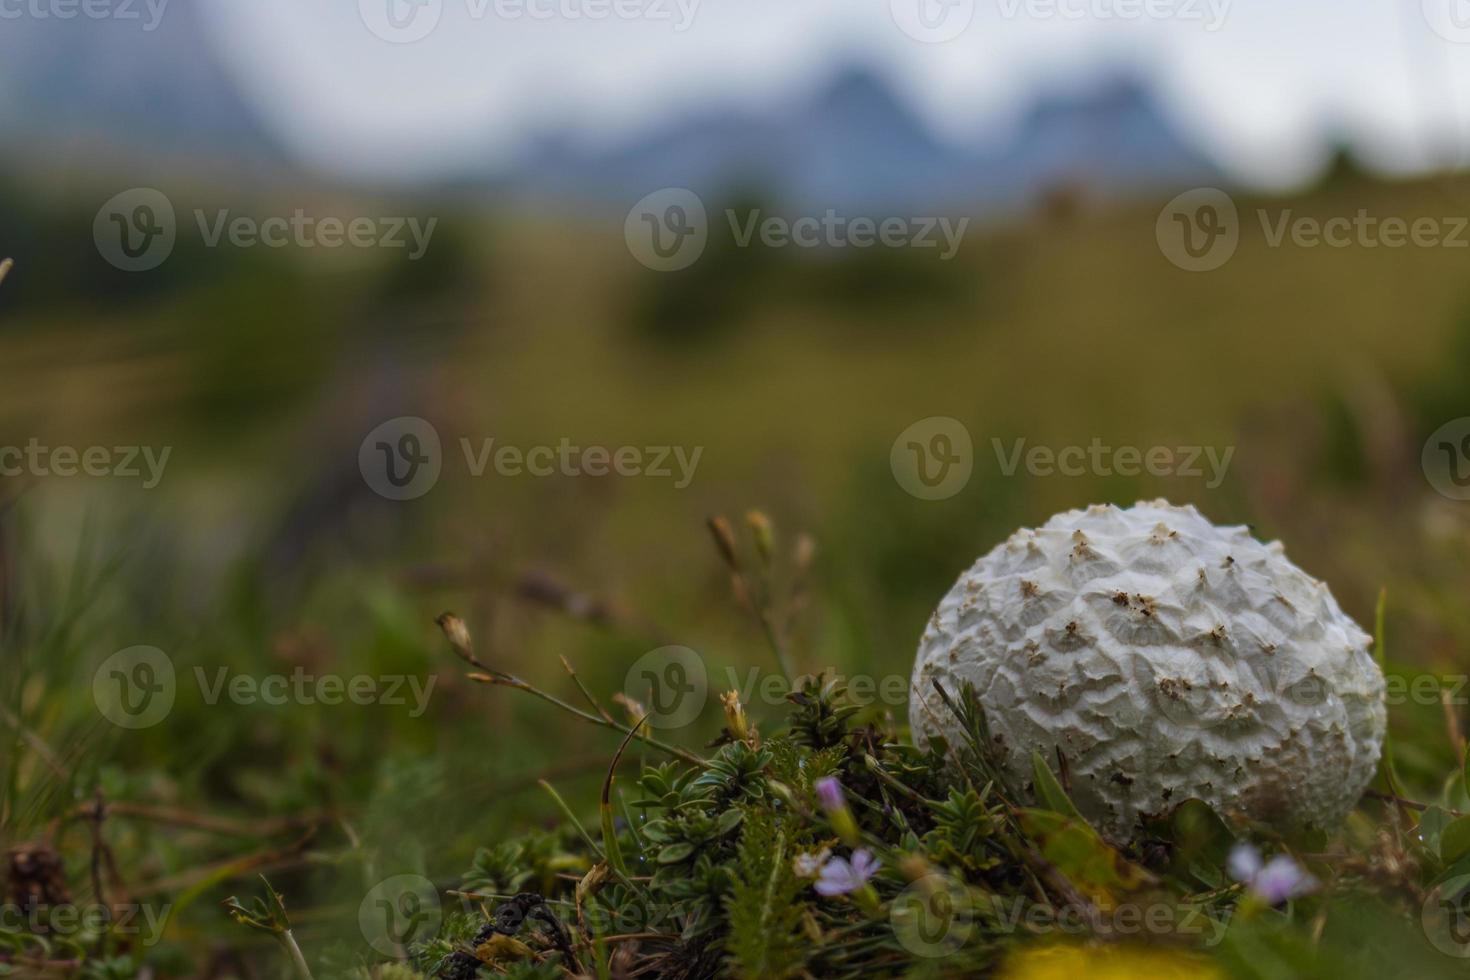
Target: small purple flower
829	794
1244	862
1278	880
839	877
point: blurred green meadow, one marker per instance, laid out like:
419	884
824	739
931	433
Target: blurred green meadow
263	552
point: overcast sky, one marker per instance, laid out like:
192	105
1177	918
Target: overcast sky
1259	83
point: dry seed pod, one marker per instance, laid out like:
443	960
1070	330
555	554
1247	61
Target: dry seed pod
724	540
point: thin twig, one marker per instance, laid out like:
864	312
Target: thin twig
99	815
1411	804
36	742
596	705
459	640
289	855
1452	723
198	821
759	606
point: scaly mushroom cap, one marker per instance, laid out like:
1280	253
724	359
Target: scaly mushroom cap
1165	658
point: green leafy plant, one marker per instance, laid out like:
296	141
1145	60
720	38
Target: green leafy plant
268	915
833	847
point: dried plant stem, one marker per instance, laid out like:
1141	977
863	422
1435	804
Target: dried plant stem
1374	794
203	876
506	680
298	962
458	636
38	744
773	638
198	821
758	602
591	700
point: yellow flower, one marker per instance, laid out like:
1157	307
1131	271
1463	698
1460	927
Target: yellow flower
736	721
498	949
1106	963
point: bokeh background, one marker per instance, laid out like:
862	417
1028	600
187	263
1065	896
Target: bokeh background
529	135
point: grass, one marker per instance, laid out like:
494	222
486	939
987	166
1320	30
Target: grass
975	872
262	552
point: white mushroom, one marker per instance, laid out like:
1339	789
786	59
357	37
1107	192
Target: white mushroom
1164	658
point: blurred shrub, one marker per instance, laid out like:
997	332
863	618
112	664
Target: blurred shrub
258	342
878	282
58	267
858	285
453	268
699	304
1343	461
1443	393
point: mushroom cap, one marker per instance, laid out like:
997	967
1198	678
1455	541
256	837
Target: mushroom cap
1165	658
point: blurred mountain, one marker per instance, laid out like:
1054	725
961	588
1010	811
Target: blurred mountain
856	145
110	90
853	143
131	87
1112	139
